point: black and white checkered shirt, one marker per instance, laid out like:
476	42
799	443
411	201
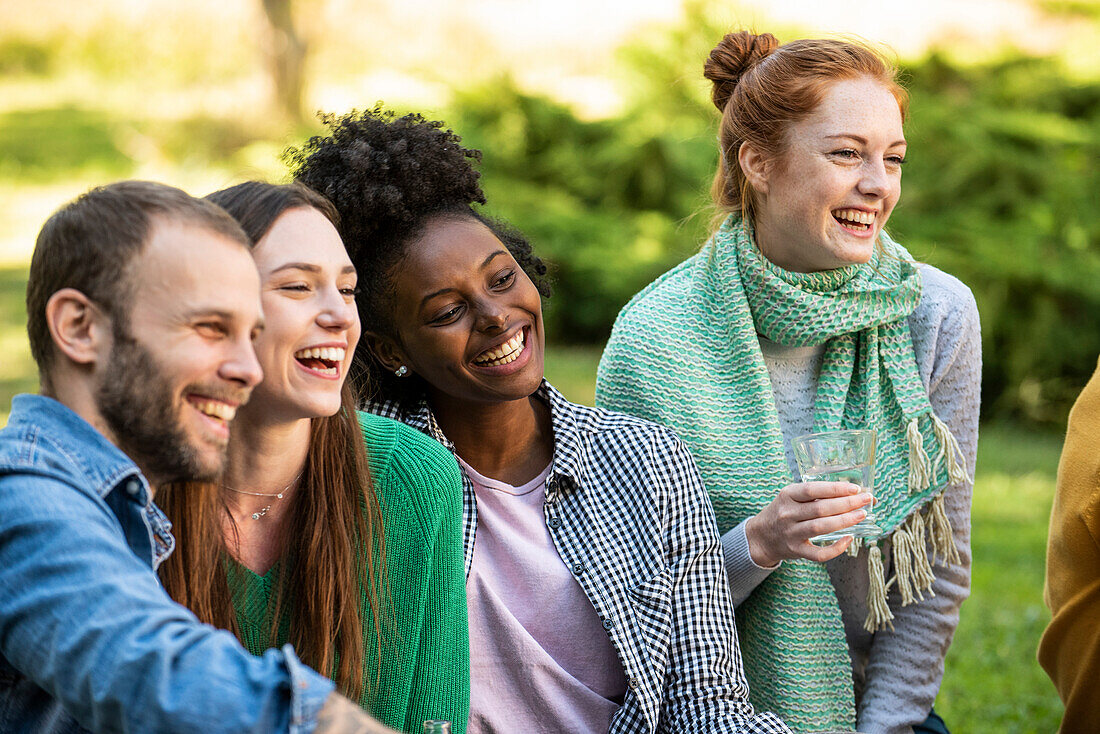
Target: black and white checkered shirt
629	516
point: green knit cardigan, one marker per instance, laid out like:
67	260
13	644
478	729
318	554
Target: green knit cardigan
425	667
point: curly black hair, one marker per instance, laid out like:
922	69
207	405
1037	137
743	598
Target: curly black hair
389	177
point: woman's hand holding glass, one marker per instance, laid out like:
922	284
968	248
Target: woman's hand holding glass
782	530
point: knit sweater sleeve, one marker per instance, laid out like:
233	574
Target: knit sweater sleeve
421	489
905	666
742	571
1070	648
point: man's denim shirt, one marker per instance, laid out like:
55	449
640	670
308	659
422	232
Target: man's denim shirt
88	637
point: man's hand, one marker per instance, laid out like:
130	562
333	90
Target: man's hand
341	716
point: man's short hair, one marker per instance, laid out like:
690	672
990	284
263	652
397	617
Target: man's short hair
89	243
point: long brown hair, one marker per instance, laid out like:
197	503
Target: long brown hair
333	545
762	88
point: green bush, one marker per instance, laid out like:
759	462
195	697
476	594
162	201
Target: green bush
24	57
1001	191
46	144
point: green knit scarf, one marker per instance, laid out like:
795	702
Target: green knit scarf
685	352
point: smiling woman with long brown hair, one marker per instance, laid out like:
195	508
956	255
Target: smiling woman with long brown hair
334	531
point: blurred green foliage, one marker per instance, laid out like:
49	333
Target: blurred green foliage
1002	192
25	57
18	373
39	144
1001	189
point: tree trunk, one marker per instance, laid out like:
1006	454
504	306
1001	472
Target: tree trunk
286	57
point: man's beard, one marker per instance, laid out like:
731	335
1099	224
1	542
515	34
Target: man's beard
137	402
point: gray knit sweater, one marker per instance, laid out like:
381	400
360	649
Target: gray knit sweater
897	672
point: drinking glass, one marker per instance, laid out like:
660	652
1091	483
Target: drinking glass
840	456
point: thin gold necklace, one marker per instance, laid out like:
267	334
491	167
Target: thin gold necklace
276	495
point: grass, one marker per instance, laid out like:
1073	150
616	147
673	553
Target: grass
992	680
573	371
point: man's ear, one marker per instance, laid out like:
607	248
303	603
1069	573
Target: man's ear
388	353
79	328
755	166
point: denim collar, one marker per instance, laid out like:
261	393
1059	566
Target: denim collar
94	461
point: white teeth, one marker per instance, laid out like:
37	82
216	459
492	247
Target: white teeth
330	354
507	352
855	215
216	409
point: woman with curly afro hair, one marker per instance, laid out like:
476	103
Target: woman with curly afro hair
594	578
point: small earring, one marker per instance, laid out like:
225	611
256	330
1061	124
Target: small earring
401	371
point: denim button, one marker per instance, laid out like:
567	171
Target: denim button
133	487
578	568
555	523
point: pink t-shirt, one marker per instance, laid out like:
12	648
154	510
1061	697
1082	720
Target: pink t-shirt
540	659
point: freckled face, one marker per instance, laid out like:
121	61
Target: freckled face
823	203
468	319
311	324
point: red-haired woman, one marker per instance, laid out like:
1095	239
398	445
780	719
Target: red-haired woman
801	315
338	532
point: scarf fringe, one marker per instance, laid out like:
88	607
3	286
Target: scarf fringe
879	615
911	567
920	468
949	448
940	533
917	544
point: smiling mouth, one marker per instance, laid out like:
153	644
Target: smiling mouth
507	352
855	219
215	409
326	360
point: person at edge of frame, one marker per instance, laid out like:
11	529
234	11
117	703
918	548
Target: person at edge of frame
1069	650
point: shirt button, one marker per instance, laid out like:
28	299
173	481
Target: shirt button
633	682
608	624
578	568
133	487
555	523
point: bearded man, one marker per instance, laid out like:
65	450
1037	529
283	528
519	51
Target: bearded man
141	302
